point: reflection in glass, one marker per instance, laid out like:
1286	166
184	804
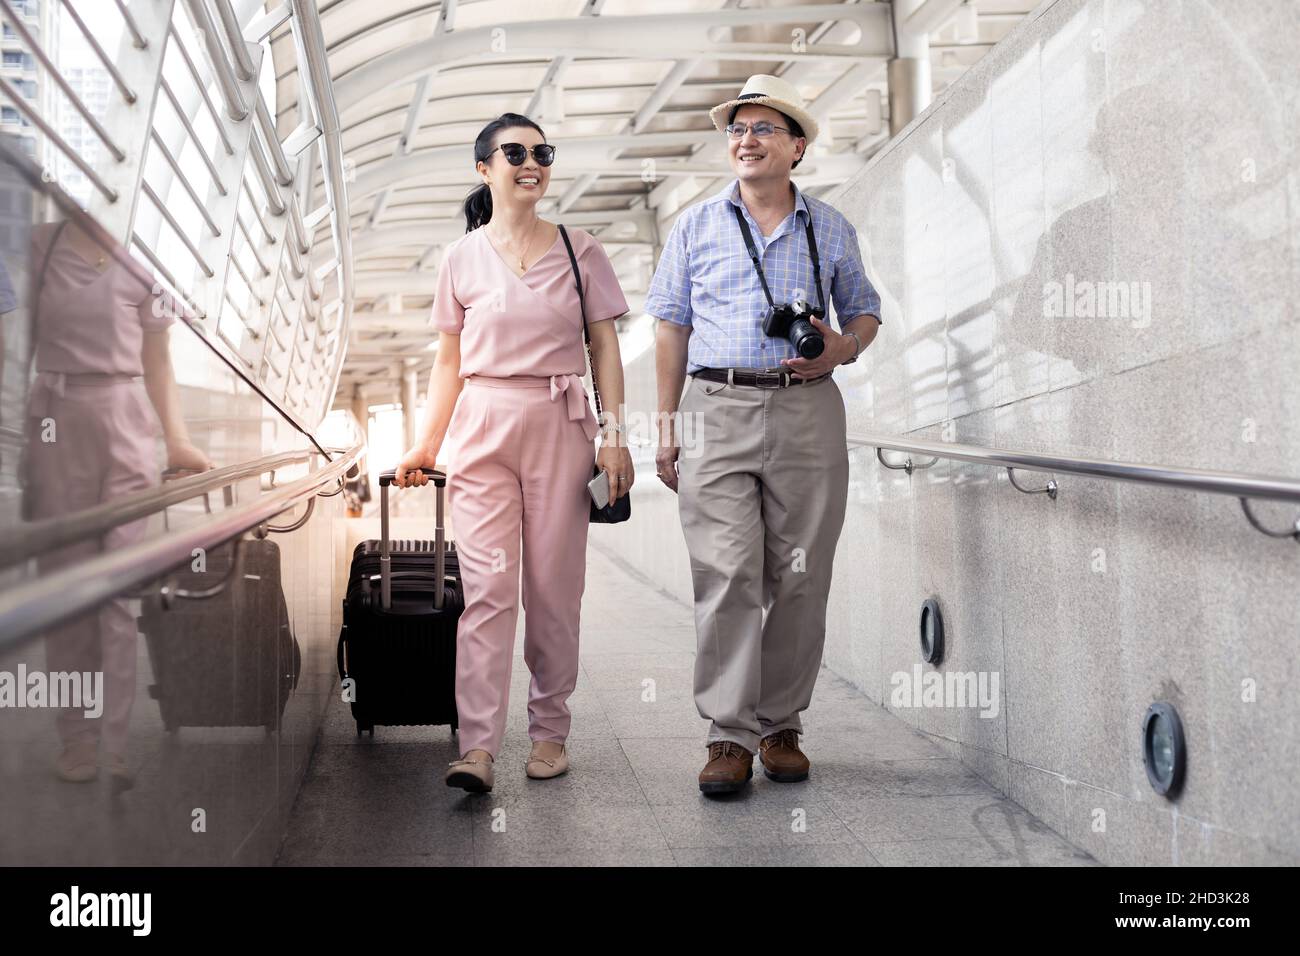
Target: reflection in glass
102	391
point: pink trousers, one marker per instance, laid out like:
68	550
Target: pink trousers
103	448
518	498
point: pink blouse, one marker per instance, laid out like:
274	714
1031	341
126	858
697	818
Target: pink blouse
88	321
529	325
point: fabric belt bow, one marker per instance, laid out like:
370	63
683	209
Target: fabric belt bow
579	408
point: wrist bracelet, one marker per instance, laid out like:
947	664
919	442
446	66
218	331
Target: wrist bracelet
856	351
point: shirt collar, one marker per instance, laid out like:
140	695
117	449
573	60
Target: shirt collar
731	193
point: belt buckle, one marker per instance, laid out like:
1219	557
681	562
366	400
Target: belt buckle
774	377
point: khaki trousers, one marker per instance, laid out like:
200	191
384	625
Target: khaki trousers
762	491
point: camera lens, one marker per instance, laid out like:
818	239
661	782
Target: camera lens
807	341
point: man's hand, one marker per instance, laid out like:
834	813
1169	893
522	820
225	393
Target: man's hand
839	348
668	451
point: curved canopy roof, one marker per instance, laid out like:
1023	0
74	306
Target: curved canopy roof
622	87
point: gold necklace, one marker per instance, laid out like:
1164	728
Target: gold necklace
531	234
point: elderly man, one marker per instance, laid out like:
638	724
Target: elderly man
740	294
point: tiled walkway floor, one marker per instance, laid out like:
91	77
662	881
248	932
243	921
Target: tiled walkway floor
879	792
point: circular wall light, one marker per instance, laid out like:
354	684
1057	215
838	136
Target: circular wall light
1164	750
931	632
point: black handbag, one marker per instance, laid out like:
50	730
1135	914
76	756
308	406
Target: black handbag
621	508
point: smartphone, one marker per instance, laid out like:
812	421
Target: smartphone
599	488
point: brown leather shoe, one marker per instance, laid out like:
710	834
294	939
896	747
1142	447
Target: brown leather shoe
782	759
729	768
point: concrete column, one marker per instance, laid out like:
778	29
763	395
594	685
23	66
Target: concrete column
909	90
909	70
409	393
361	412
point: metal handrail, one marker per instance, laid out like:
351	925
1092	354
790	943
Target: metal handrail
300	231
34	538
283	172
222	68
264	530
1190	479
35	606
1244	487
243	63
262	166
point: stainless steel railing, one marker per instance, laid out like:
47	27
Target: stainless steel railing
29	540
29	608
1244	487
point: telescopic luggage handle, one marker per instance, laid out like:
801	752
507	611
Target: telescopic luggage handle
439	545
439	477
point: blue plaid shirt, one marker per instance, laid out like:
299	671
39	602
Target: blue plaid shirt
706	280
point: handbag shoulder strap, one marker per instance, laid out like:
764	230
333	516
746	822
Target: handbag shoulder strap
34	311
582	305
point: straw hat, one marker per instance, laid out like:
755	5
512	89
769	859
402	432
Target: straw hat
765	90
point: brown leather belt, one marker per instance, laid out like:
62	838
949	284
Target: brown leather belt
757	378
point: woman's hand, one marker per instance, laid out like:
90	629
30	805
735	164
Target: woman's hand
407	474
182	456
617	463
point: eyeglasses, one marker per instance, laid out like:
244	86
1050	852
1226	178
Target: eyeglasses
515	153
762	129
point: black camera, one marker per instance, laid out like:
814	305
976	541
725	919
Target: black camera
791	322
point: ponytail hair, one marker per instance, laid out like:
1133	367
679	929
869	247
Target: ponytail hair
478	207
478	204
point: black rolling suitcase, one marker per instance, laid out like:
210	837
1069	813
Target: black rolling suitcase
229	659
398	642
403	556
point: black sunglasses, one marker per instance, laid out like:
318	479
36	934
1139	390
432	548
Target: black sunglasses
515	153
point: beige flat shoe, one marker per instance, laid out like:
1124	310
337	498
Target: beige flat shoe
78	763
472	775
543	768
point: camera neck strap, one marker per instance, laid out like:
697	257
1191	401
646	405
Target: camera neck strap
758	264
